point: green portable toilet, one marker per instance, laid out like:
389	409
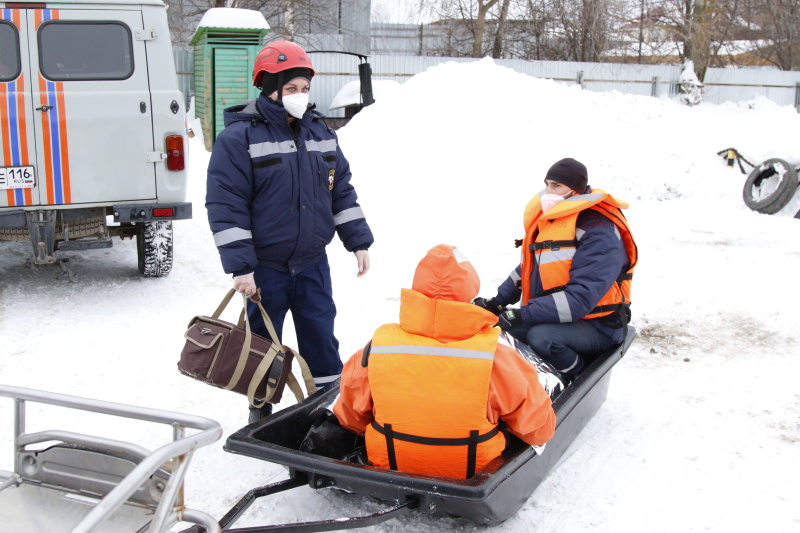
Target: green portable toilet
226	43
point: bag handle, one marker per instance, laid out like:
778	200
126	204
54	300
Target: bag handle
225	301
268	359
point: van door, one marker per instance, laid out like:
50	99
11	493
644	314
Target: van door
18	178
90	97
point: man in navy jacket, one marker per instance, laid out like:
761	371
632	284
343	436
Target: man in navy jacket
278	189
574	281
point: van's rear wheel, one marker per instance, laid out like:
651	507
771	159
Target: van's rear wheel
154	248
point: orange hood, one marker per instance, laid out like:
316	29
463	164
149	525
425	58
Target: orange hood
437	306
445	274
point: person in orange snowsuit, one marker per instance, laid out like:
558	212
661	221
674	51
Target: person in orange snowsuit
430	392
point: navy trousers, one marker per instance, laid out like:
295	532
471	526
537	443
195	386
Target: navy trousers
309	296
565	346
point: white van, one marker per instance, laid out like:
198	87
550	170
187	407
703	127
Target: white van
92	128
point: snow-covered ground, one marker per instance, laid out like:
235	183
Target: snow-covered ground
701	429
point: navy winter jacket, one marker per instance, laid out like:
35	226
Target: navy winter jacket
599	259
275	197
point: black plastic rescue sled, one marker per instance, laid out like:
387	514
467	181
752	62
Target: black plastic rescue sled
491	496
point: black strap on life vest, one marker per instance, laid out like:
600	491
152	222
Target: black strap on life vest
552	245
548	292
365	356
472	452
471	442
389	434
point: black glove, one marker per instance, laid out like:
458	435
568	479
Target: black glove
490	305
510	318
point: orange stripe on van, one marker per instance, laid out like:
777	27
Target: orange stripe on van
5	132
62	128
48	149
5	137
37	17
23	135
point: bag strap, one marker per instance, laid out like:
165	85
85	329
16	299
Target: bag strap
308	379
259	374
263	367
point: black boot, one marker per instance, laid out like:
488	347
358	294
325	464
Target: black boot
257	413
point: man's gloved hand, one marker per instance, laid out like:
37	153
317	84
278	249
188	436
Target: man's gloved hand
362	256
246	284
510	318
490	305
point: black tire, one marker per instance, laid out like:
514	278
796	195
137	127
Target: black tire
770	186
154	248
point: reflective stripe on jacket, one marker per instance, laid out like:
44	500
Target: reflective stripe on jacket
551	241
454	438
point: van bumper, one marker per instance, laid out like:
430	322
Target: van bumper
149	212
15	219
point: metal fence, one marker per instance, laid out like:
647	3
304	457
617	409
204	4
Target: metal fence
334	71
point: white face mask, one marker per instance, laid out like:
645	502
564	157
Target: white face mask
296	104
549	201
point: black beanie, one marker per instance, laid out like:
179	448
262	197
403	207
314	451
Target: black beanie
269	82
571	173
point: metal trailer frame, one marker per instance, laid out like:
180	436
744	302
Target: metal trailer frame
105	472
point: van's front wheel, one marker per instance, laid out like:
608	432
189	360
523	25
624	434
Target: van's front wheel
154	248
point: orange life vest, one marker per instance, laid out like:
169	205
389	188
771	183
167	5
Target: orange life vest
551	241
454	438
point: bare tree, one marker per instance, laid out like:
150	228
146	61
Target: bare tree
537	38
699	19
469	15
585	26
694	25
499	35
480	26
779	21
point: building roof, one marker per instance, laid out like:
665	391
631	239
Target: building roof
233	18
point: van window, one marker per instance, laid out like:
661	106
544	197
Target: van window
9	52
85	51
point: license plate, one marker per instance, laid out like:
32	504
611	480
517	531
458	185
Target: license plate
17	177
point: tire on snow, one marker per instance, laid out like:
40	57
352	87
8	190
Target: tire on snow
770	186
154	248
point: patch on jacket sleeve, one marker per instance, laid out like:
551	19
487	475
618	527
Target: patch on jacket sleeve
331	173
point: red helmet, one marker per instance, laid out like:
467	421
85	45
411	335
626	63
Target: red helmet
278	56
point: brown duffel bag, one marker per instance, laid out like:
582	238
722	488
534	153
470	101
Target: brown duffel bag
231	357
